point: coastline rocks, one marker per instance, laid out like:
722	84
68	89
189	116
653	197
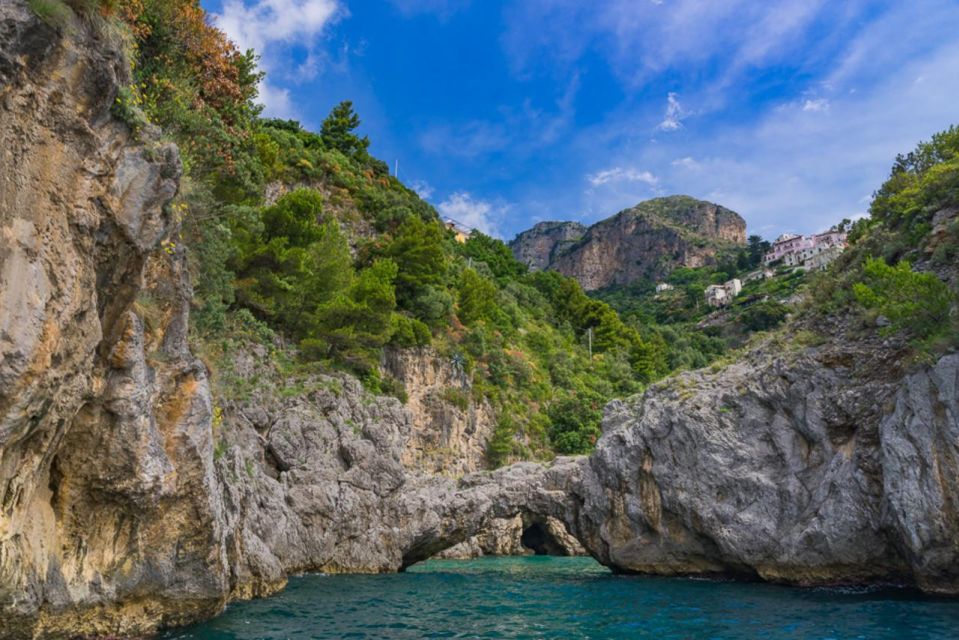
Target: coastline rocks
518	536
812	467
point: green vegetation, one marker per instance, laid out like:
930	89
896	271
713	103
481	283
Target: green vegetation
914	302
899	266
55	13
344	261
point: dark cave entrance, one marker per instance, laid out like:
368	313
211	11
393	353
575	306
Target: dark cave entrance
538	539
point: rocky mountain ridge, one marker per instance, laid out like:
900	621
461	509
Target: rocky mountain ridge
646	241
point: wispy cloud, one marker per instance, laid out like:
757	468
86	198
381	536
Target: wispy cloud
819	104
619	174
673	119
473	212
686	163
422	188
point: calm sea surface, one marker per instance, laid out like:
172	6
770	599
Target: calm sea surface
544	597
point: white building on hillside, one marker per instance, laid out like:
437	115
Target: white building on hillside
794	250
663	286
720	295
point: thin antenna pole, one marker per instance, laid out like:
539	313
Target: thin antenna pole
396	171
589	335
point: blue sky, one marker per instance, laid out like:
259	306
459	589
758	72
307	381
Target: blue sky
506	113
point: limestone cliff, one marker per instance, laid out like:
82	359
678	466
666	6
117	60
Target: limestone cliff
538	246
128	501
810	465
450	428
647	241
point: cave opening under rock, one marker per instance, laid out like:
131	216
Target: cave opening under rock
537	538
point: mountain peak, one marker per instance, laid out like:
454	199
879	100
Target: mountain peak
645	241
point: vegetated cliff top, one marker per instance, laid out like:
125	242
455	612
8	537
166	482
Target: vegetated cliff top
645	241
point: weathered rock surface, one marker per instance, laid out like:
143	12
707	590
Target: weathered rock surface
450	427
316	482
520	535
647	241
810	467
538	247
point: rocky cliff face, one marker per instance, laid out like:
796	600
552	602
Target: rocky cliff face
450	428
538	246
647	241
128	501
820	465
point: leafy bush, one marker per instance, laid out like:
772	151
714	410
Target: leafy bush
916	303
574	423
763	316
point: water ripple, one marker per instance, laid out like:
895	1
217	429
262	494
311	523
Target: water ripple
539	597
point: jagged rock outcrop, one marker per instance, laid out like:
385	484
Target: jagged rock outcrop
811	466
537	247
107	488
450	427
647	241
521	535
316	481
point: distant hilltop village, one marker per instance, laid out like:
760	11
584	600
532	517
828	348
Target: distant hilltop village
812	253
790	251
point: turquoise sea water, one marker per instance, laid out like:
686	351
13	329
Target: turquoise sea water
546	597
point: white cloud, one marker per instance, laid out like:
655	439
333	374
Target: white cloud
474	213
422	188
271	28
276	101
686	163
619	174
673	119
262	23
819	104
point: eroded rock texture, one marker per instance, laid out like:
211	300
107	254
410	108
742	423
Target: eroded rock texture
647	241
823	465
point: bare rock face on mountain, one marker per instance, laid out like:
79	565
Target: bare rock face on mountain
817	465
538	246
647	241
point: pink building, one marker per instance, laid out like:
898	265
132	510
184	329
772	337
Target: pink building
794	249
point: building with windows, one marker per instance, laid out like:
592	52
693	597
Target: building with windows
720	295
794	250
